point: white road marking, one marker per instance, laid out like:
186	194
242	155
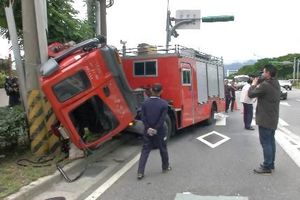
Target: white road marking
281	122
284	103
100	190
190	196
290	143
220	119
201	138
221	122
298	100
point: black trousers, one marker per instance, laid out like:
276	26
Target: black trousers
232	103
227	102
248	114
152	142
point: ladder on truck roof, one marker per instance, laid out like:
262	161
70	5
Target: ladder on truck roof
150	50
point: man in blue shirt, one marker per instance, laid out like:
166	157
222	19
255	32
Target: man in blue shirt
154	113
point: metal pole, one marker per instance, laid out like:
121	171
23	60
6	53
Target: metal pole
98	18
168	26
16	50
298	70
103	17
294	69
168	37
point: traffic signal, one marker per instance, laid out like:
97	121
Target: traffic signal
221	18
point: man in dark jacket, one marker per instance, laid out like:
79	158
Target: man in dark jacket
154	112
232	94
267	114
227	91
12	90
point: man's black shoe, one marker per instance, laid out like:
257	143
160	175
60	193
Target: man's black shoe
262	166
167	169
250	128
140	176
262	171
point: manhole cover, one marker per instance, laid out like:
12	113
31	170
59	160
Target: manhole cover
213	138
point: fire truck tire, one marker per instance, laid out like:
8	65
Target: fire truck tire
211	120
169	127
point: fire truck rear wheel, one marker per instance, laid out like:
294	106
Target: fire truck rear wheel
169	127
211	120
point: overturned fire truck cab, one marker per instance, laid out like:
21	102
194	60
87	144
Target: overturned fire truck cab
88	92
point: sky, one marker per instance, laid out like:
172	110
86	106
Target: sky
261	29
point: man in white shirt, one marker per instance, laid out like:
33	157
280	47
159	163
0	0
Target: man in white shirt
247	104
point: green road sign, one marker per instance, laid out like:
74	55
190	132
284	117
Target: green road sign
221	18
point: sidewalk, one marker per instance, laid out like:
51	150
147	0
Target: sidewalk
56	185
3	98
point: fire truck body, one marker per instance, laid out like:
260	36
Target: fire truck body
192	82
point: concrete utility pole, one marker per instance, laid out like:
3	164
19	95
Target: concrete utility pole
35	45
32	59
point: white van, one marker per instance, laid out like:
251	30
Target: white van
240	81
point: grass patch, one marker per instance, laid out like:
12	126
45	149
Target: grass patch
14	176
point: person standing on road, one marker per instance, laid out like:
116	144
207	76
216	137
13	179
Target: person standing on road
11	87
267	114
232	95
247	104
227	91
154	113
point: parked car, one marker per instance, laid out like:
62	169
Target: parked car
283	93
286	84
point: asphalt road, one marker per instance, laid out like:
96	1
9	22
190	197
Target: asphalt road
226	170
201	171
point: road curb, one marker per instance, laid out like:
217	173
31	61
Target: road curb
34	188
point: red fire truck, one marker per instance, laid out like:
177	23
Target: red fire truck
94	99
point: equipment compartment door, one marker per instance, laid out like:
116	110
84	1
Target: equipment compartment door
187	95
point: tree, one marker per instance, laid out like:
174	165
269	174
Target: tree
63	25
18	17
283	64
62	22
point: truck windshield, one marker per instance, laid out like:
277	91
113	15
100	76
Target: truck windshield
93	119
71	86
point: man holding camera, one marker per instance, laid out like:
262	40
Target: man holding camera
267	114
